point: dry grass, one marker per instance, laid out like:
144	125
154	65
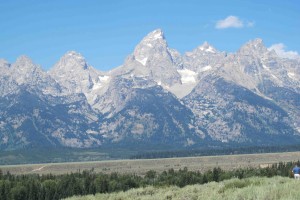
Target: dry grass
276	188
202	164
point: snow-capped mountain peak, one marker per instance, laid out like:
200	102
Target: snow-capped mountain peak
155	35
153	43
154	39
203	50
154	60
207	48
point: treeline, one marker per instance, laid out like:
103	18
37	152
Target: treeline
51	187
32	155
215	151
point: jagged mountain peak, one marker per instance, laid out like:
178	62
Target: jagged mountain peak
256	41
73	54
152	45
154	39
153	58
71	61
255	46
4	63
25	66
206	47
76	76
25	72
23	60
155	35
4	67
75	58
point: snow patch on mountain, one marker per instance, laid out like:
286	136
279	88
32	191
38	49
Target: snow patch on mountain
155	35
208	49
142	61
206	68
188	82
104	78
187	76
292	75
101	83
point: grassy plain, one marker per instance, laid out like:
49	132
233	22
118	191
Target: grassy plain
140	167
260	188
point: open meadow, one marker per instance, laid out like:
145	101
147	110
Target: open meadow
275	188
140	167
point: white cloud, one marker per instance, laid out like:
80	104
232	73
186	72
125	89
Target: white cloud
229	22
280	50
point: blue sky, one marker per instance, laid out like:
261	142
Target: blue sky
105	32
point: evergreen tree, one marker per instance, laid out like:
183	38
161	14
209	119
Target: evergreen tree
204	179
33	189
18	192
50	189
216	174
102	184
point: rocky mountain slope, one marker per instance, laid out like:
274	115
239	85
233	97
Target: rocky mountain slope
157	97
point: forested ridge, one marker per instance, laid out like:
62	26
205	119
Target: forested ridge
232	150
34	186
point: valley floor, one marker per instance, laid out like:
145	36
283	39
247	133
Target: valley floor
258	188
140	167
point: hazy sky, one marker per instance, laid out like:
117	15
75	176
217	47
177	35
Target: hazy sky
105	32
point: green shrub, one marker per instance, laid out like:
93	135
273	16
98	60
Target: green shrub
276	188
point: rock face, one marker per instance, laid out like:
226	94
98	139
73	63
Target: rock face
157	97
152	58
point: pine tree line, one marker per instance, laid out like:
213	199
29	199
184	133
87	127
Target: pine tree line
214	151
51	187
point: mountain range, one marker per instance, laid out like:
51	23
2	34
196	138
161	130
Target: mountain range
157	97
